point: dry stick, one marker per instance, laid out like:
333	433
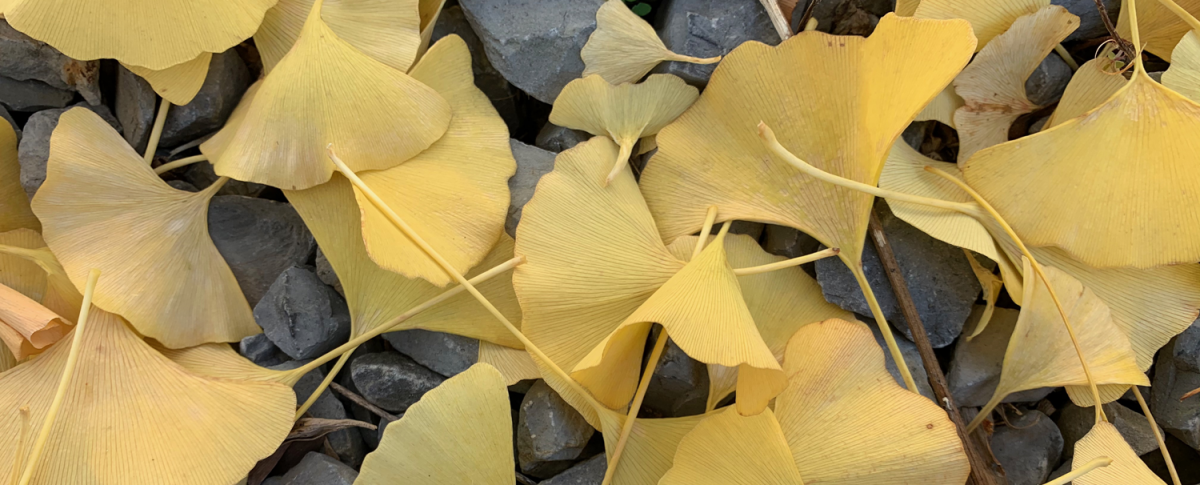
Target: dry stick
980	466
1126	46
65	381
710	218
1162	445
776	14
166	167
361	401
156	131
1100	462
807	16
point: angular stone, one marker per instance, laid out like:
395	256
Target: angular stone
975	368
182	185
912	359
532	164
444	353
326	273
939	277
319	469
1187	348
259	238
259	349
202	175
846	17
1180	417
1091	25
1074	422
227	79
679	386
1029	449
587	472
556	138
29	96
135	105
34	149
347	442
503	95
302	316
1048	81
535	44
709	28
550	433
391	380
28	59
788	242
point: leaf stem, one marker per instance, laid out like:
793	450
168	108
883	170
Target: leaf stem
694	60
65	381
638	397
166	167
1066	57
1162	445
626	145
1136	34
1099	462
787	263
312	398
156	132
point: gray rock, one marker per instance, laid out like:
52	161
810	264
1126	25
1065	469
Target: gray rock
749	228
227	79
302	316
201	175
28	59
1063	469
1074	422
587	472
259	349
550	433
912	359
182	185
8	117
845	17
29	96
1038	125
1187	348
709	28
1181	418
259	238
34	149
556	138
391	380
532	164
278	480
1029	449
788	242
503	95
135	105
326	273
939	277
444	353
1048	81
535	44
320	469
679	386
1091	25
975	368
916	132
347	443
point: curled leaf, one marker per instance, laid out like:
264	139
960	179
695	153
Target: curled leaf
27	327
623	48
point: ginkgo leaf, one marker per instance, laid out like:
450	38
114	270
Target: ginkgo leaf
124	393
514	364
7	360
326	91
27	327
103	207
727	448
989	18
455	194
623	48
221	361
650	448
702	309
179	83
1065	186
14	203
1184	74
592	256
386	30
625	112
26	265
216	144
429	11
993	85
1160	29
375	295
942	107
460	432
991	286
1090	87
154	34
1126	468
1040	352
906	8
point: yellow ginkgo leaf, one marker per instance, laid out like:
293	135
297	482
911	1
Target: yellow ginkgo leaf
702	309
26	265
1041	353
514	364
124	392
103	207
14	203
386	30
623	48
1184	74
942	107
179	83
991	286
221	361
728	449
989	18
1126	468
993	85
429	11
27	327
326	91
1128	160
460	432
1090	87
216	144
7	360
455	194
906	8
1160	28
625	112
153	34
592	256
651	447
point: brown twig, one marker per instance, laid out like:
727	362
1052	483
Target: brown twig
361	401
981	467
808	13
1126	46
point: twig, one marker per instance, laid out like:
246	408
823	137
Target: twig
980	466
1127	47
781	24
361	401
